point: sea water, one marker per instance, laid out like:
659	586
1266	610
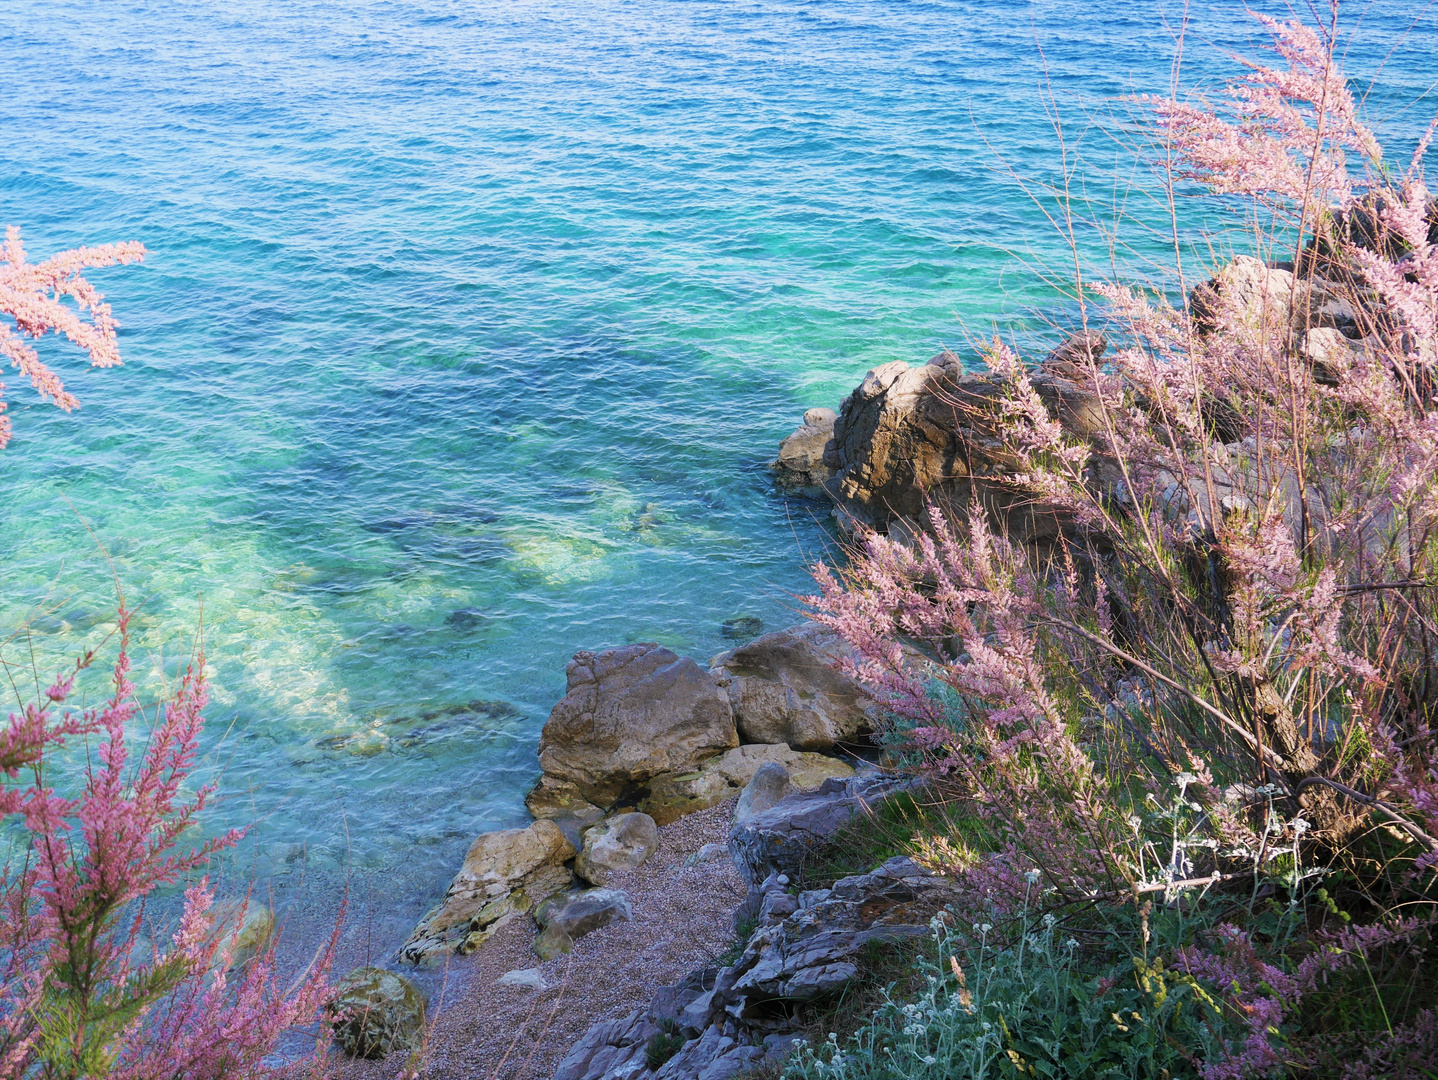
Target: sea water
467	331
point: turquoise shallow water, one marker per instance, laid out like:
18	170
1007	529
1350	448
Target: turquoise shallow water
467	331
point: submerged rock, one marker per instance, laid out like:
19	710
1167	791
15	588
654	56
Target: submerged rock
466	618
243	929
741	628
376	1012
396	734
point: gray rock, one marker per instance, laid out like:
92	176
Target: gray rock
770	785
777	907
786	687
375	1012
800	465
780	839
739	1017
631	714
565	919
526	979
707	854
619	843
713	1056
611	1050
670	1002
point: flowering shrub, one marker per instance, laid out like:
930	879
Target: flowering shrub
1216	687
80	994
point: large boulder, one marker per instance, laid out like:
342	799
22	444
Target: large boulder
243	930
619	843
670	797
800	464
910	435
504	874
375	1012
563	920
785	687
631	714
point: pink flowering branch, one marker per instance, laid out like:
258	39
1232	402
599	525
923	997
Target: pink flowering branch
32	304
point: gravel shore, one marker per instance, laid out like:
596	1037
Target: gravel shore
483	1031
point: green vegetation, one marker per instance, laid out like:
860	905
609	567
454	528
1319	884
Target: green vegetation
664	1045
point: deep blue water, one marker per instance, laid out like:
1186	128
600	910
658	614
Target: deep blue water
500	310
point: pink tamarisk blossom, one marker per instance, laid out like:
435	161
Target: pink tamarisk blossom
32	304
76	997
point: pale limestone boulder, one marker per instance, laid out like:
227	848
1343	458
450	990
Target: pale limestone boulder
671	797
629	715
504	874
563	920
785	687
619	843
375	1012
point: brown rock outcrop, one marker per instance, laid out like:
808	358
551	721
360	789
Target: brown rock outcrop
911	434
631	714
800	464
785	688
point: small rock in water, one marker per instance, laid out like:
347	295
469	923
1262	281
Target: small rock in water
524	979
466	618
743	628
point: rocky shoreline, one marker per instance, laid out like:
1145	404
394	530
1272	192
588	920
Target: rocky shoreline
641	739
644	738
